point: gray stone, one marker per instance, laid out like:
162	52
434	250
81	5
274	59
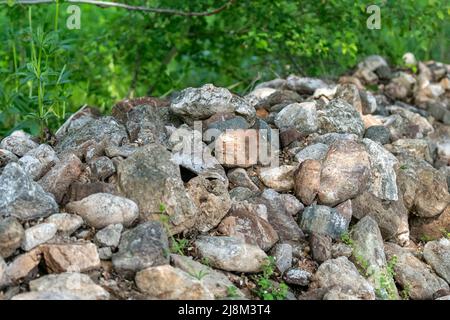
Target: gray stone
66	223
291	204
301	116
145	124
340	117
19	143
239	178
150	178
282	253
124	151
297	277
102	209
241	194
320	245
230	254
437	255
45	295
278	178
378	134
109	236
11	236
144	246
316	151
105	253
304	85
413	274
37	235
102	168
330	138
7	157
324	220
21	197
38	162
341	250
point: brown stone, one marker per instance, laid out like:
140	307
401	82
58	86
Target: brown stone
71	257
23	265
121	109
307	181
430	228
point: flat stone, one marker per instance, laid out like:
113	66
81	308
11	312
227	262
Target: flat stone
316	151
102	209
230	254
109	236
167	282
71	257
66	223
37	235
279	178
22	266
282	253
11	236
437	255
378	134
239	178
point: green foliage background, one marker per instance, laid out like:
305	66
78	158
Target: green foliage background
119	53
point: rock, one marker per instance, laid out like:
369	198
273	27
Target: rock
413	274
345	172
189	151
38	235
213	200
275	84
18	143
71	257
11	236
240	148
71	283
37	162
437	255
401	86
340	117
105	129
167	282
65	223
230	254
59	178
241	194
307	181
247	226
279	178
201	103
239	178
320	245
297	277
21	197
409	125
391	216
216	282
79	191
383	177
350	94
145	123
430	228
282	254
102	209
144	246
341	250
102	168
368	101
316	151
416	148
367	69
23	265
330	138
77	120
233	123
282	222
109	236
105	253
424	189
324	220
378	134
3	279
368	252
258	95
291	204
7	157
301	116
150	178
340	274
45	295
304	85
123	151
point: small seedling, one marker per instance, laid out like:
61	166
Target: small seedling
265	288
345	237
232	292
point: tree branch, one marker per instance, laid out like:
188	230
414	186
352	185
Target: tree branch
107	4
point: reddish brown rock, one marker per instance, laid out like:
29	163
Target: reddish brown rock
430	228
307	181
78	190
71	257
23	265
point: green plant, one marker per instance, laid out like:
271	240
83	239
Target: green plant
199	275
445	233
386	282
265	287
232	292
425	238
406	292
345	238
403	167
177	245
362	263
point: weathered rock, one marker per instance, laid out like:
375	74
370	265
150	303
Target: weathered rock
21	197
291	204
239	148
123	151
320	245
18	143
201	103
23	265
37	162
258	95
407	124
3	279
7	157
383	177
324	220
101	129
378	134
330	138
425	190
413	274
70	283
279	178
391	216
369	67
401	86
340	274
430	228
230	254
340	117
416	148
345	172
66	223
146	124
105	253
216	282
241	194
144	246
239	178
77	120
213	200
11	236
150	178
368	101
167	282
297	277
368	250
282	254
109	236
79	191
304	85
350	94
247	226
59	178
71	257
316	151
341	250
437	255
102	209
307	181
301	116
38	235
102	168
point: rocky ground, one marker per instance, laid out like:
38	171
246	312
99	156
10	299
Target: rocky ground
113	208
